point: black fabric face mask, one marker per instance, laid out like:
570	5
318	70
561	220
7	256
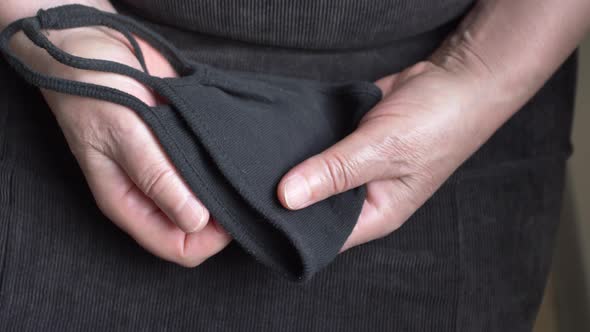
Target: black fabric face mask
231	135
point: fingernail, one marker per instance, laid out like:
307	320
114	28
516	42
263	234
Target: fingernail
198	216
297	192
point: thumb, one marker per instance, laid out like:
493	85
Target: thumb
140	155
354	161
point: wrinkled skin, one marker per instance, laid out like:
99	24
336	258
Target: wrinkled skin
131	178
403	149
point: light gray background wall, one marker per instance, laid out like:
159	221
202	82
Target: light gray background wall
571	269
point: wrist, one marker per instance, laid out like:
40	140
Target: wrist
76	41
509	49
496	91
12	10
489	94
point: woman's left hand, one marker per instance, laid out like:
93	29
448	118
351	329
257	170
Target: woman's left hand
436	114
428	123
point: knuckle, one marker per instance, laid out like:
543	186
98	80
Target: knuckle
177	207
101	128
122	126
394	146
85	140
339	172
404	153
156	179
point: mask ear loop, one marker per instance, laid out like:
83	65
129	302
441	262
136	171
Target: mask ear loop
73	16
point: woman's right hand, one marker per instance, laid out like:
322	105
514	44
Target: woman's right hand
132	180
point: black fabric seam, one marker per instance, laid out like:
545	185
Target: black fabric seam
357	91
229	213
260	210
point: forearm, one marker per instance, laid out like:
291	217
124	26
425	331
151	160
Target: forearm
11	10
514	47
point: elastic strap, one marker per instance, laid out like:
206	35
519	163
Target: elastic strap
73	16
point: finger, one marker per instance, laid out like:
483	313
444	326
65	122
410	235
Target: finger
154	231
136	150
139	154
134	147
361	157
137	215
388	205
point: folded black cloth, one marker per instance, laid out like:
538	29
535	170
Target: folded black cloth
231	135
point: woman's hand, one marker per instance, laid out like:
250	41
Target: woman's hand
132	180
435	114
426	125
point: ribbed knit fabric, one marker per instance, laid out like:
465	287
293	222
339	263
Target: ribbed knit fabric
309	24
474	258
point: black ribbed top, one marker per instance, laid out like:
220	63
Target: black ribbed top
312	24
